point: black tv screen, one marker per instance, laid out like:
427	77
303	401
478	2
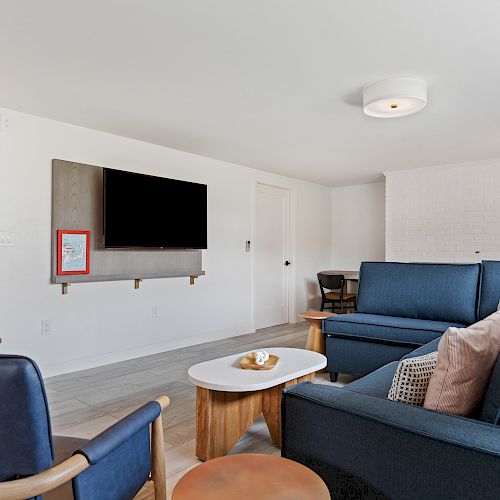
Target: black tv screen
148	211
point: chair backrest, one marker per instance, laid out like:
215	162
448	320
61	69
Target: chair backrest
25	433
489	296
440	292
330	282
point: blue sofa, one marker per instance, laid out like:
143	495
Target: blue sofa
400	307
367	447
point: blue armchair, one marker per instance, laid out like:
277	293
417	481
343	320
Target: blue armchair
115	464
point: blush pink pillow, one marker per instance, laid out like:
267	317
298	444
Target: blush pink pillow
466	357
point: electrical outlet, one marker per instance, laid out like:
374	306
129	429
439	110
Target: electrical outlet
46	327
155	314
7	239
4	121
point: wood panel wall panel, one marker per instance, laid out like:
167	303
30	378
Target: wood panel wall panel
77	204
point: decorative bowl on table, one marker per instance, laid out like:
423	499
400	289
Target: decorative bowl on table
255	361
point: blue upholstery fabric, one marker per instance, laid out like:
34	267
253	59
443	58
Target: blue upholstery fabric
431	346
399	330
120	458
490	288
103	444
398	451
349	355
377	383
439	292
119	475
25	433
491	403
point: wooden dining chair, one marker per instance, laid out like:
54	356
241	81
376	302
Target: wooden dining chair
115	464
332	287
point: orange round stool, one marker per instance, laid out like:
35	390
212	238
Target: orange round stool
262	477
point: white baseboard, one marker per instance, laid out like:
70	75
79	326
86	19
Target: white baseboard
75	365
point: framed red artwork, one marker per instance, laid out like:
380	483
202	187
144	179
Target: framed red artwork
73	252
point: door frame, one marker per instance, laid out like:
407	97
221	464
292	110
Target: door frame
292	316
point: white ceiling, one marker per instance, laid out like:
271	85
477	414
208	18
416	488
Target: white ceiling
270	84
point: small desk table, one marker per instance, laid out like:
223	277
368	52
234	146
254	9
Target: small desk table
315	339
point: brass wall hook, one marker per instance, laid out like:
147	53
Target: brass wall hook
137	283
64	288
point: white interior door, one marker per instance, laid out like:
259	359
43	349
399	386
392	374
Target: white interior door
272	258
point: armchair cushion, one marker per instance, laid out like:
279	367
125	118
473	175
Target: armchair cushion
389	329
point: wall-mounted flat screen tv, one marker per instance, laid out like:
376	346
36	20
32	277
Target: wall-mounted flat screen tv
153	212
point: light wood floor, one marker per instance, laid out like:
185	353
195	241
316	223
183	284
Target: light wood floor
84	403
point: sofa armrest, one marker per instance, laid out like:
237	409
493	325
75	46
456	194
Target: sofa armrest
401	451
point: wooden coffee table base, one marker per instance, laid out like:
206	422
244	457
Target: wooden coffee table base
223	417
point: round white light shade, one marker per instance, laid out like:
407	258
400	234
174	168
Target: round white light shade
394	97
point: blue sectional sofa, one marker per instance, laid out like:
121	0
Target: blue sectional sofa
400	307
367	447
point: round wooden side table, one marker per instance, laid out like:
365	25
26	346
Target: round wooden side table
251	475
316	339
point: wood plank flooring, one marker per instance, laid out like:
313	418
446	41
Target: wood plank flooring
85	403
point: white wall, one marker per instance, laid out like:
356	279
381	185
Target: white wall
444	214
99	323
358	225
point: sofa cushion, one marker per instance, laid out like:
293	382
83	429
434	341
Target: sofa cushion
491	405
386	328
375	384
466	357
439	292
489	296
431	346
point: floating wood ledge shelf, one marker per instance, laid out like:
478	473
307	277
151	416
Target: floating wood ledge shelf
66	281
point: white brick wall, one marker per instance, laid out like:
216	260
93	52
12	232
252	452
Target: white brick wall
444	214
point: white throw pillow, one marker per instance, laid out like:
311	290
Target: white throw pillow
411	379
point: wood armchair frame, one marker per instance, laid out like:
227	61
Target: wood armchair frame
50	479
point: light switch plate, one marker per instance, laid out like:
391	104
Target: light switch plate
7	238
46	328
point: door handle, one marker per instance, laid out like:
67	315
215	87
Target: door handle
287	262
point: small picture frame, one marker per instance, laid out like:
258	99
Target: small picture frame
73	252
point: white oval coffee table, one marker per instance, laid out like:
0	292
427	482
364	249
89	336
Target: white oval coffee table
229	399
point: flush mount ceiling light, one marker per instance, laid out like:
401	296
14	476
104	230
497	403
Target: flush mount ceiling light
394	97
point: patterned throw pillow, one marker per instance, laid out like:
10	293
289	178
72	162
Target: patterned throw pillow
411	379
